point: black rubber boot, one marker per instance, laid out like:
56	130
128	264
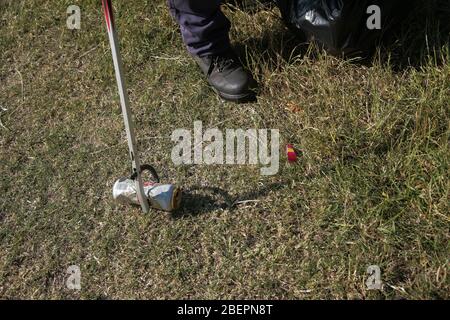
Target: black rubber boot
227	77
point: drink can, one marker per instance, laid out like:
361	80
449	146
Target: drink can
166	197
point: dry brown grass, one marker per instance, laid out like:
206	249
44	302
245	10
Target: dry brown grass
371	186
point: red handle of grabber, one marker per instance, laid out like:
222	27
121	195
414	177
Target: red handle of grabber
109	17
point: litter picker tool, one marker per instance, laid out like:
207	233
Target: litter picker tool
132	190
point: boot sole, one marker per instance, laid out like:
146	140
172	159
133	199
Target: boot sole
238	98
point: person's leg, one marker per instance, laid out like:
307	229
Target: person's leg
203	26
205	32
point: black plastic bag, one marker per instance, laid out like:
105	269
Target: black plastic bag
340	26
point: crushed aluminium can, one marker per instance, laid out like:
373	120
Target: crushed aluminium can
166	197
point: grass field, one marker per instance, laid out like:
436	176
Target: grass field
371	186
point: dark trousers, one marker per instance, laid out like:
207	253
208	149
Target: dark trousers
203	26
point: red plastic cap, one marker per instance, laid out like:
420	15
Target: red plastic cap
291	153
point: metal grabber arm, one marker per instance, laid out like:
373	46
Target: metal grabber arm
125	104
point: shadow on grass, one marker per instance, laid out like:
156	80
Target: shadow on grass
250	6
421	33
202	200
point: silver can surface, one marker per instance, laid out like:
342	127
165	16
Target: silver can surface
164	197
